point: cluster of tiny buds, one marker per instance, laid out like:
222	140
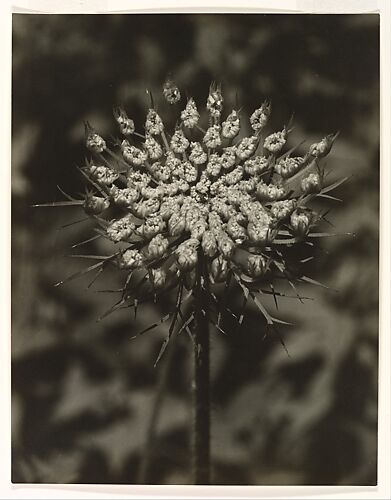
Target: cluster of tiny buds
211	191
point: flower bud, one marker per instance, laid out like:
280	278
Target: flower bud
171	92
260	227
225	245
322	148
246	147
157	247
137	179
209	244
157	277
168	207
197	155
126	125
212	137
236	231
311	184
130	259
186	255
190	115
190	172
301	220
198	228
219	269
152	226
286	167
275	142
256	165
270	192
124	197
103	175
132	154
214	103
153	148
231	126
179	143
121	229
257	265
176	224
259	233
153	124
213	166
228	158
160	172
94	142
234	176
282	209
95	205
260	116
145	208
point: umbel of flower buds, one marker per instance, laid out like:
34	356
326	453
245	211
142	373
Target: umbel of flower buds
260	116
171	92
126	125
167	196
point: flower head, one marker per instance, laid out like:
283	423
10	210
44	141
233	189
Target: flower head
177	203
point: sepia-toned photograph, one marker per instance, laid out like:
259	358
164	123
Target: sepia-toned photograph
195	241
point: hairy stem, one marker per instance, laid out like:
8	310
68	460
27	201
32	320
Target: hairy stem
201	379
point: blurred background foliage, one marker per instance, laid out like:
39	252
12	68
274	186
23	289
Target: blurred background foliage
82	391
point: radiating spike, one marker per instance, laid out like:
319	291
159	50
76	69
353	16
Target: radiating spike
74	203
93	238
100	271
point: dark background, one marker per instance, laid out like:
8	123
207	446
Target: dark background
82	392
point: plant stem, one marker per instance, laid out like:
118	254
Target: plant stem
201	378
150	436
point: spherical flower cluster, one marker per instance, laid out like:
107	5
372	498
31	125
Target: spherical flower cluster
169	200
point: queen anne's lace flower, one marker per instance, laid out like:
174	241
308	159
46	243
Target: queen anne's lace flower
196	198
